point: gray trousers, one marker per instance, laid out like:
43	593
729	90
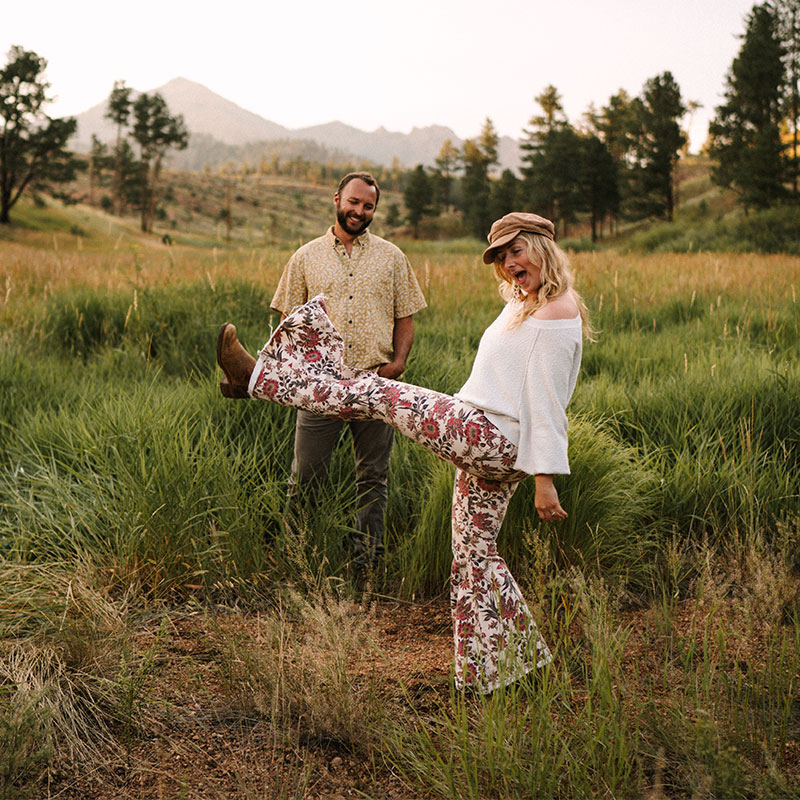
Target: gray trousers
314	441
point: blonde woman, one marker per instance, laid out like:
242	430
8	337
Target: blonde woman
507	422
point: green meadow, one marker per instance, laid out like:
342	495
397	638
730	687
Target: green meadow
134	498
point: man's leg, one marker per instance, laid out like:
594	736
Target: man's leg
314	440
372	447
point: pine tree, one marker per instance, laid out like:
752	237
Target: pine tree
745	133
657	143
475	189
551	159
447	163
789	26
616	126
537	180
118	110
599	183
156	131
538	169
504	195
488	142
32	145
98	163
418	196
478	157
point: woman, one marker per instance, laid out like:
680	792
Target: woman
507	422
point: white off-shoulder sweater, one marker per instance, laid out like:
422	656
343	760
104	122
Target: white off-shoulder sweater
522	379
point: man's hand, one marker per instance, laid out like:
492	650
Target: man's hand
393	370
403	337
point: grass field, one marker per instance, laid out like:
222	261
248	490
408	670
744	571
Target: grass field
161	636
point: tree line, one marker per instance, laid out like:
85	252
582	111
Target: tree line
616	162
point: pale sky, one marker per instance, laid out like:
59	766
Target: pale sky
391	63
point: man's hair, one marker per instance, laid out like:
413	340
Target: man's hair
362	176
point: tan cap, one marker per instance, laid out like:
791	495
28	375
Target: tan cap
510	226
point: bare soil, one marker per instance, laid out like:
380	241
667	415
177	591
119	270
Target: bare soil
205	748
202	745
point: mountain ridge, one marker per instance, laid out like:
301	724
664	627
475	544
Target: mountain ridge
208	114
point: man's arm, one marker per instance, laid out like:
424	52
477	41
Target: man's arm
402	340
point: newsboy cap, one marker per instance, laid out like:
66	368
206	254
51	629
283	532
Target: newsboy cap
511	225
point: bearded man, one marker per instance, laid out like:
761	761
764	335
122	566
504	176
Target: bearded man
371	296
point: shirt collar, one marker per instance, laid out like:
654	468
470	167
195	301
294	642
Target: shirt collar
361	240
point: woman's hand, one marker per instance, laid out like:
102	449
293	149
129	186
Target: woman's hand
546	499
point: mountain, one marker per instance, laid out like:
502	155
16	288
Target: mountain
204	111
421	146
208	114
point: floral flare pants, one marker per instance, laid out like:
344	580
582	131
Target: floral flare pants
496	640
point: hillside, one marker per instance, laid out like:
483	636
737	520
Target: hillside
282	212
265	211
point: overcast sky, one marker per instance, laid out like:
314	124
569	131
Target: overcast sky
392	63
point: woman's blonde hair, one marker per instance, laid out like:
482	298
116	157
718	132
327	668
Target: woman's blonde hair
555	274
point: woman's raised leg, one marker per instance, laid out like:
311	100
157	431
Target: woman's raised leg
301	366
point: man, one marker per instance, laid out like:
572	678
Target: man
371	296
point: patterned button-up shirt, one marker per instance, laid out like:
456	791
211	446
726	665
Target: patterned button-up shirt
365	292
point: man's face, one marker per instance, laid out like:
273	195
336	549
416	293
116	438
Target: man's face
355	206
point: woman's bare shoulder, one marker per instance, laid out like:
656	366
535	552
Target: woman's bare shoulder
562	307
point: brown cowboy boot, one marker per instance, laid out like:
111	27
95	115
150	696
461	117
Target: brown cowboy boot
236	363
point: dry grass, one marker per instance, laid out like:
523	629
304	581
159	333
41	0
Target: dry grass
642	280
38	268
325	697
27	272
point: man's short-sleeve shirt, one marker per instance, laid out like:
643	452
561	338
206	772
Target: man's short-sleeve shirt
366	291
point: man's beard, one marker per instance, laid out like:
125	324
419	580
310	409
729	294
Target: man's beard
354	229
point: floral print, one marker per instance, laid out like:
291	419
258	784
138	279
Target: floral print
496	640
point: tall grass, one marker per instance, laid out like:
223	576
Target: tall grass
63	647
129	487
625	711
686	418
139	481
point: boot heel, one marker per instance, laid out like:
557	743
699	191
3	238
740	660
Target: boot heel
234	392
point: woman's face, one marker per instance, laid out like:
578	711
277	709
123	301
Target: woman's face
519	268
